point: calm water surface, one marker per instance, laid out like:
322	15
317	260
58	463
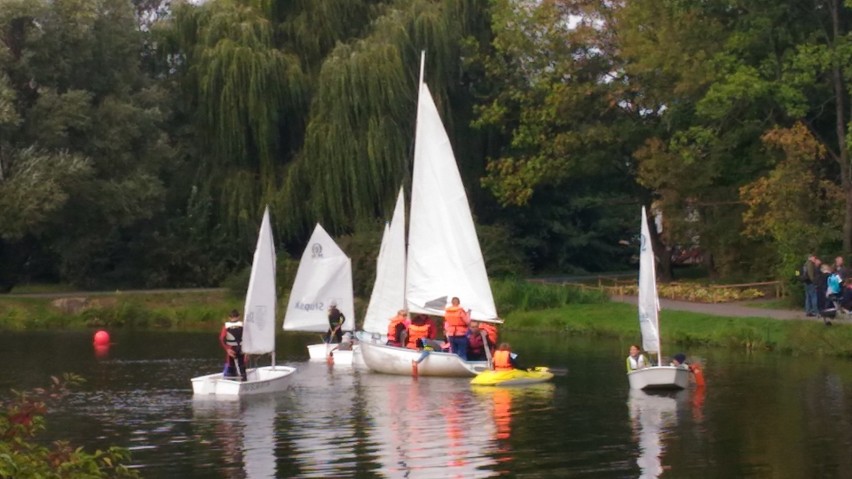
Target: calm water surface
761	415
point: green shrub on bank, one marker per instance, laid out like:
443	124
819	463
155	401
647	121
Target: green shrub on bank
512	295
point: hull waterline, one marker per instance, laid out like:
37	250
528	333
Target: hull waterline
260	381
659	377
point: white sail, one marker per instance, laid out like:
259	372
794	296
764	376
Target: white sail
649	303
388	295
324	278
444	258
259	314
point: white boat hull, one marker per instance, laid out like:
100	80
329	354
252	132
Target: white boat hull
349	357
386	359
659	377
260	380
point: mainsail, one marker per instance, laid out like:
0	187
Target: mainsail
649	303
388	295
324	278
259	314
444	258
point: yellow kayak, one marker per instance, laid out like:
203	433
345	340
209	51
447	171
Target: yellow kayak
513	377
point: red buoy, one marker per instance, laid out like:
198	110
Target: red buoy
101	338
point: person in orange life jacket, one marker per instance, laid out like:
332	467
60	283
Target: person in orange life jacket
475	343
231	339
397	327
418	331
335	324
505	359
456	322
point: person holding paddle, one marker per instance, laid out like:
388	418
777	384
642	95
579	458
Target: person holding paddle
335	324
231	338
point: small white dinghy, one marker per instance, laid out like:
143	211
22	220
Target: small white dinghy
258	329
324	278
653	377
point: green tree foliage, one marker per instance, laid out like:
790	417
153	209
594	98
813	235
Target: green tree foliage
80	143
360	132
562	169
21	455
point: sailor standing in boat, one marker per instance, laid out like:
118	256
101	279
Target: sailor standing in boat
335	324
456	321
231	339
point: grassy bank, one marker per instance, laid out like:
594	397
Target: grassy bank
618	320
167	310
525	307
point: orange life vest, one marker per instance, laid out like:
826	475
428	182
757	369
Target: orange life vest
395	321
491	330
502	361
455	321
415	332
699	375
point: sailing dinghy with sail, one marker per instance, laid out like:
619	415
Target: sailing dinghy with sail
324	278
443	258
653	377
258	329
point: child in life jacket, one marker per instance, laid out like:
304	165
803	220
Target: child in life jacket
505	359
231	340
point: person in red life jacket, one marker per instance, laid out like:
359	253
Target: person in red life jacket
231	339
475	343
418	331
456	321
505	359
397	327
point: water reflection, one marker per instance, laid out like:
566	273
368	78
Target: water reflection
502	404
428	428
242	431
653	416
323	433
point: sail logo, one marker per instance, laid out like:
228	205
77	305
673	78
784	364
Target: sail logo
256	317
644	243
316	306
316	250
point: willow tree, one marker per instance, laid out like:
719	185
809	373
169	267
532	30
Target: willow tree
245	91
359	136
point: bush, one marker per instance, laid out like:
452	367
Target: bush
22	418
512	295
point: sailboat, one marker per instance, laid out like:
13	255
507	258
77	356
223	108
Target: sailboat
653	377
443	259
258	329
324	278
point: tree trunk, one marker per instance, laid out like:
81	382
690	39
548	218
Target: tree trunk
840	127
662	252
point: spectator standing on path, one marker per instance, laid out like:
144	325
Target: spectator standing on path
811	273
840	269
822	285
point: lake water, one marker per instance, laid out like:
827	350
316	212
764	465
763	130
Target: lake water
761	415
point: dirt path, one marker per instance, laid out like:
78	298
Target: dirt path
738	309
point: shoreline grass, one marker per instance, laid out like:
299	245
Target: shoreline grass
527	307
